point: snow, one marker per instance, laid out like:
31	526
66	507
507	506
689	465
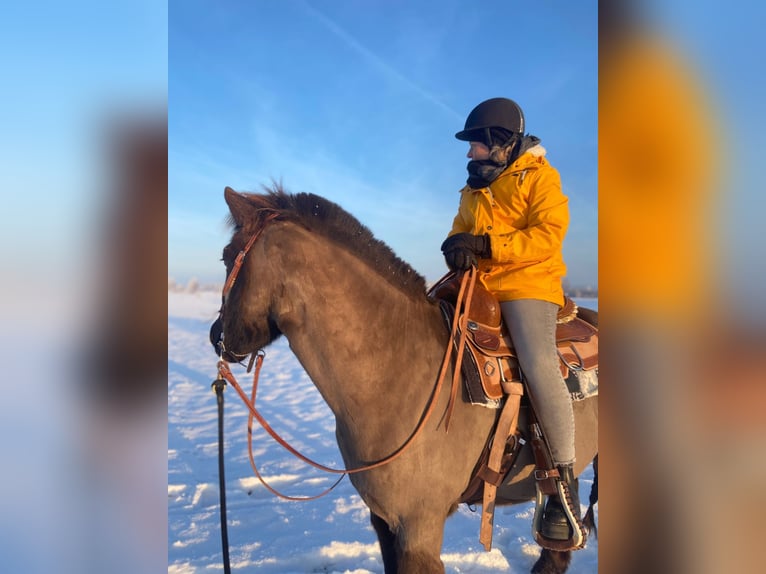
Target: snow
268	535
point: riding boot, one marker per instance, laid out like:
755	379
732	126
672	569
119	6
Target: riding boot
555	524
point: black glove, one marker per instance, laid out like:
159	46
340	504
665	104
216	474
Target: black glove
462	249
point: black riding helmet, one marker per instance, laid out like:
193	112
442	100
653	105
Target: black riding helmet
493	121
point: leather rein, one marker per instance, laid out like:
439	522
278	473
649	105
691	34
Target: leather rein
224	373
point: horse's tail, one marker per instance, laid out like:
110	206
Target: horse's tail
590	520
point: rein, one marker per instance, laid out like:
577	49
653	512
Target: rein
224	372
225	375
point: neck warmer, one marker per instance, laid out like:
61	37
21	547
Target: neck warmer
483	172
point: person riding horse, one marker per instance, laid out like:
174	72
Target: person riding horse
510	225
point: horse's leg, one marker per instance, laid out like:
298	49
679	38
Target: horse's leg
387	542
419	541
552	562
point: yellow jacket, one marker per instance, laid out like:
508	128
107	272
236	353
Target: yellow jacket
667	183
526	216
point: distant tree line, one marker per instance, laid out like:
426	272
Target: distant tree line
589	291
192	286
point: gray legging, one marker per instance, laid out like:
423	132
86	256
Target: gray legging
532	324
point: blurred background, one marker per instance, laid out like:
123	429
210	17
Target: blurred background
681	272
83	149
681	259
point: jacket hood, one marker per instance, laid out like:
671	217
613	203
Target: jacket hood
530	158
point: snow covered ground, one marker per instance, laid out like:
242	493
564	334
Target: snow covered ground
268	535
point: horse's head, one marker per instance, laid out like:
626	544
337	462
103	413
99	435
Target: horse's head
245	323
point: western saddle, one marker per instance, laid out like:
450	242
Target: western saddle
491	374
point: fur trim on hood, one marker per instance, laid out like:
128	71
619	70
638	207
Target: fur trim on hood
537	151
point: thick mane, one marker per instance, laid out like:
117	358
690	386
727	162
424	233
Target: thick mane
329	220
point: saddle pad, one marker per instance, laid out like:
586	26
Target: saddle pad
582	384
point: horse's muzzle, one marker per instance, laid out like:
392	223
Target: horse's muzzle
216	332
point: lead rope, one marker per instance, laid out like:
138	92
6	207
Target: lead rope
218	385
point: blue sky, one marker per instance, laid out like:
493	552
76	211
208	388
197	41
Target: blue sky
359	102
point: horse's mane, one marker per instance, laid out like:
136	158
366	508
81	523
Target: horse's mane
325	218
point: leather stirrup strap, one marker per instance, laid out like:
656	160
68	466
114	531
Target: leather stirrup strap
546	473
509	418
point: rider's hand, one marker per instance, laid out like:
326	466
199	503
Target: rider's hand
462	250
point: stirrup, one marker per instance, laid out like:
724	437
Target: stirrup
578	537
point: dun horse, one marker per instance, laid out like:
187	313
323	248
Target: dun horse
358	319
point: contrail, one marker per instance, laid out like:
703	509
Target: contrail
377	61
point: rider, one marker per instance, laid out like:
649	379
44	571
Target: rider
510	225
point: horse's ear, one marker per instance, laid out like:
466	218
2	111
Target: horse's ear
238	205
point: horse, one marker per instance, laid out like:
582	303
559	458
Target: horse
358	319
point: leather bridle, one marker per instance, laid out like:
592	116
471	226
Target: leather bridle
232	278
240	259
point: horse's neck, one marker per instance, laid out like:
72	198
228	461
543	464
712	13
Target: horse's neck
351	329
